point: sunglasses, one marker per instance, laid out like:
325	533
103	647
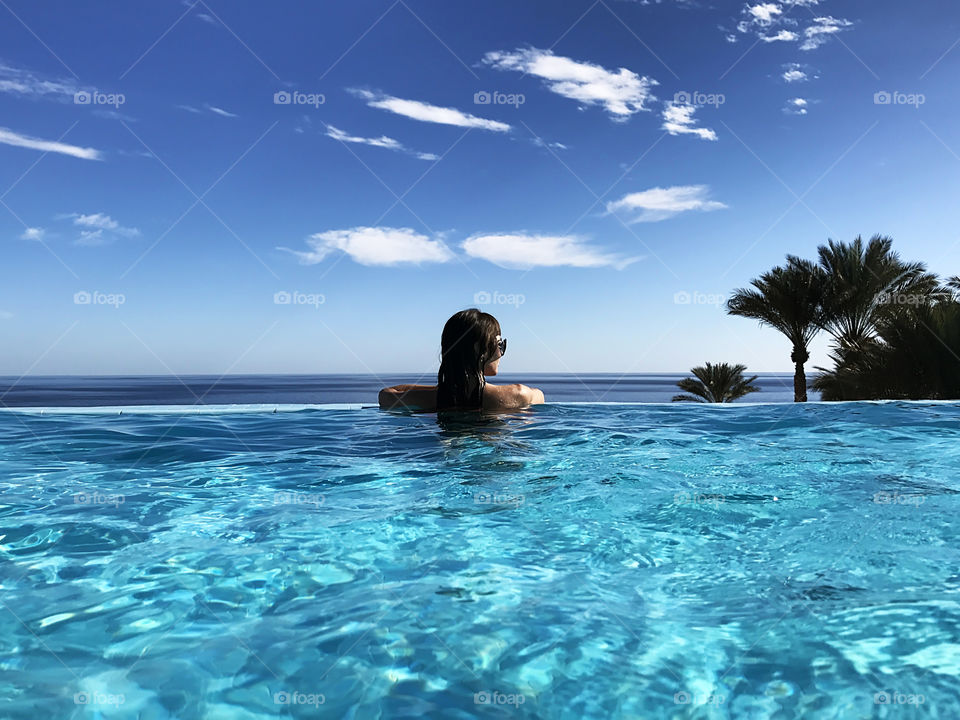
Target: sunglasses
502	345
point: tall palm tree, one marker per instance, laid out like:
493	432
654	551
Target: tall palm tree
718	383
790	299
867	282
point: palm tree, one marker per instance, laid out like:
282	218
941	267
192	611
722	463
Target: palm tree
718	383
790	299
865	284
916	355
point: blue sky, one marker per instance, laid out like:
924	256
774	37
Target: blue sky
290	187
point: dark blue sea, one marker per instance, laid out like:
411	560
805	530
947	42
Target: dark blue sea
91	391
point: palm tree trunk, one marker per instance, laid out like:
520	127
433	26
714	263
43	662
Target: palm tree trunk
799	384
799	357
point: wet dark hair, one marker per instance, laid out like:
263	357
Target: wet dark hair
468	343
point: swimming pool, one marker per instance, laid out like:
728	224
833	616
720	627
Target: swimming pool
573	561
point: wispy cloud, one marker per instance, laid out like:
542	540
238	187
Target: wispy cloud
773	21
33	233
99	229
24	83
821	30
219	111
678	120
521	251
796	106
9	137
622	92
424	112
374	246
206	108
383	141
659	203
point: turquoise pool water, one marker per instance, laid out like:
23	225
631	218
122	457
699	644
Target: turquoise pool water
574	561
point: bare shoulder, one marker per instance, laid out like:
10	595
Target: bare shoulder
409	397
507	397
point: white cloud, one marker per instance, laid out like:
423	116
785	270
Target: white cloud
678	120
764	13
219	111
9	137
99	228
6	315
520	251
17	81
424	112
381	142
771	21
540	142
33	233
375	246
662	203
782	36
797	106
794	72
208	108
622	93
821	30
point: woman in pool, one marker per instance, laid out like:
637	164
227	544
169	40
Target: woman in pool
470	349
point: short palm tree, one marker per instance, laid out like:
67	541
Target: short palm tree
718	383
790	299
